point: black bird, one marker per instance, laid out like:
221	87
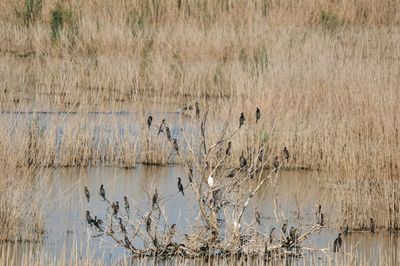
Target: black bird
346	229
276	164
242	160
261	155
126	203
284	229
148	223
168	133
160	129
88	217
271	235
286	154
176	147
372	225
96	224
122	226
149	121
180	186
172	230
155	198
228	149
337	244
241	120
190	175
258	216
87	193
293	234
115	207
99	221
258	115
197	109
102	192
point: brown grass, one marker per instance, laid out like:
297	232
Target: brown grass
324	73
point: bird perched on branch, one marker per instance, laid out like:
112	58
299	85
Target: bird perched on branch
286	154
271	235
257	216
241	120
228	149
126	203
115	207
210	181
337	244
242	160
168	133
122	226
155	198
319	215
175	143
148	223
276	164
149	121
102	192
197	109
88	217
161	127
258	114
190	176
87	193
180	186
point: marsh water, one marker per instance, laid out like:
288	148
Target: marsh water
66	229
65	204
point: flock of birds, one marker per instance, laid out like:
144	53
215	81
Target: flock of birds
289	237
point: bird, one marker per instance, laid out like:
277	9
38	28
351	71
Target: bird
258	114
228	149
160	129
148	223
337	244
126	203
180	186
172	230
293	234
284	229
122	226
372	225
276	164
87	193
155	198
197	108
88	217
261	155
127	242
102	192
168	133
241	120
210	181
242	160
286	154
175	143
190	176
319	215
96	224
149	121
258	216
115	207
271	235
99	221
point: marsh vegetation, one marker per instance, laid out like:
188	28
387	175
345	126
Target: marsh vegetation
79	79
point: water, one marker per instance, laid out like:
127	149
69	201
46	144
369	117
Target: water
66	205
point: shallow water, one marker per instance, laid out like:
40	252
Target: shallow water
66	205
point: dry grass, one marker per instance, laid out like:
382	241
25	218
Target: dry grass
325	75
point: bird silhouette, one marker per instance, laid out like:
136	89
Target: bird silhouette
88	217
161	128
286	154
337	244
228	149
197	109
258	114
148	223
276	164
122	226
257	216
190	176
87	193
180	186
126	203
155	198
176	147
102	192
149	121
115	207
271	235
243	161
261	155
241	120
